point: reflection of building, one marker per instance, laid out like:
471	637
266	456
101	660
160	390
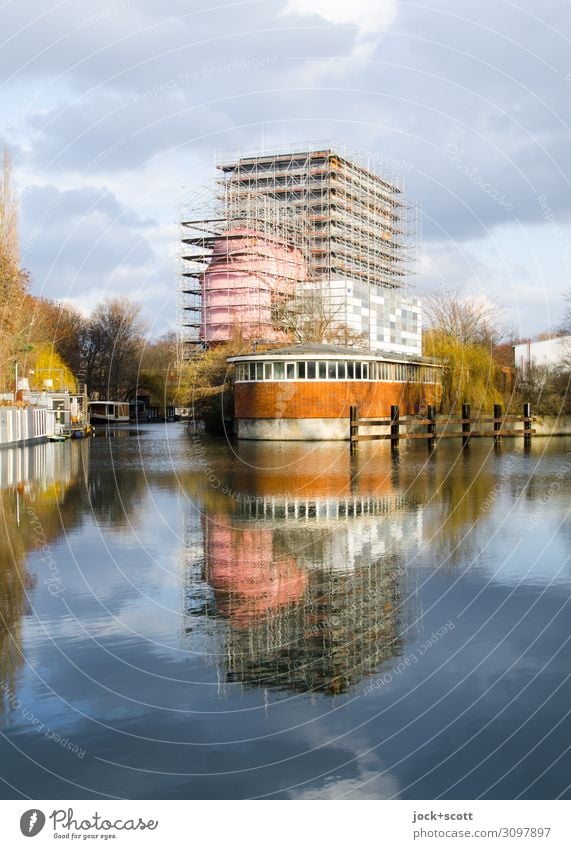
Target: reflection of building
301	569
306	391
343	627
40	467
248	580
319	226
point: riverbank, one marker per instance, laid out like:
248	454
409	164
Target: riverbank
552	426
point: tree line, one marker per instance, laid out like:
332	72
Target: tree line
107	350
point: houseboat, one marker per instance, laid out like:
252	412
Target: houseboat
109	412
306	391
33	416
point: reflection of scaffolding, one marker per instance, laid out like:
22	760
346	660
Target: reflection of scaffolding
303	593
316	217
343	628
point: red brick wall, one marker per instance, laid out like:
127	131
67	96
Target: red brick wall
329	399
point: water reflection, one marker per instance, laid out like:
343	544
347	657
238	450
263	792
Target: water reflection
37	486
215	657
302	556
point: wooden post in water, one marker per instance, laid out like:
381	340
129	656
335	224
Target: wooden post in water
353	427
465	425
527	425
394	428
497	425
431	414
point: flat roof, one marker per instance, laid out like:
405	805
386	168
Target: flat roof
317	350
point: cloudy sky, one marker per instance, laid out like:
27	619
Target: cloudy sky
115	111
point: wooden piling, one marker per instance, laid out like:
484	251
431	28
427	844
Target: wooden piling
395	427
465	425
353	427
527	425
469	427
431	427
497	424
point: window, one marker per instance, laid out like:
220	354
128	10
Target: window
357	371
301	371
290	371
341	370
365	371
267	371
252	371
279	371
350	370
322	371
311	371
259	371
372	371
332	370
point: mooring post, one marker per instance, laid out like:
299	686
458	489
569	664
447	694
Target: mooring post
353	427
394	428
527	424
431	429
465	425
497	424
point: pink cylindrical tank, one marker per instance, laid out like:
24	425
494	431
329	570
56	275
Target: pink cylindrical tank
248	580
249	276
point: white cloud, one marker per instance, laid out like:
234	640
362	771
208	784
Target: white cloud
368	16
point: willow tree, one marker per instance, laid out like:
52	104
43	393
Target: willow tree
463	330
470	373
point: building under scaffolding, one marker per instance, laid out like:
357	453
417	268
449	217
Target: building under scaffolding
284	231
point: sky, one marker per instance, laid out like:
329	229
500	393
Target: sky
115	113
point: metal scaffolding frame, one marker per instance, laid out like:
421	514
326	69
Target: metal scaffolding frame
334	216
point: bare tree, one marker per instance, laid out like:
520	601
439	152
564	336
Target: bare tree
14	316
313	317
9	244
472	320
565	325
112	342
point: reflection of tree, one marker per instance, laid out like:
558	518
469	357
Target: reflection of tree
46	484
115	495
14	583
455	505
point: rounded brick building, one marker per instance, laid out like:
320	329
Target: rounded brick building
306	391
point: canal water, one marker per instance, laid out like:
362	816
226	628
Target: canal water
182	618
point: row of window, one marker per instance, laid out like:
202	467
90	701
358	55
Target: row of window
336	370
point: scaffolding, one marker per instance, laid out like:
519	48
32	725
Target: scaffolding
300	221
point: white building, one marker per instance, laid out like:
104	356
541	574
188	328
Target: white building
548	352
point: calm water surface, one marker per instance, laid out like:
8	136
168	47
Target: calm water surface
180	618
